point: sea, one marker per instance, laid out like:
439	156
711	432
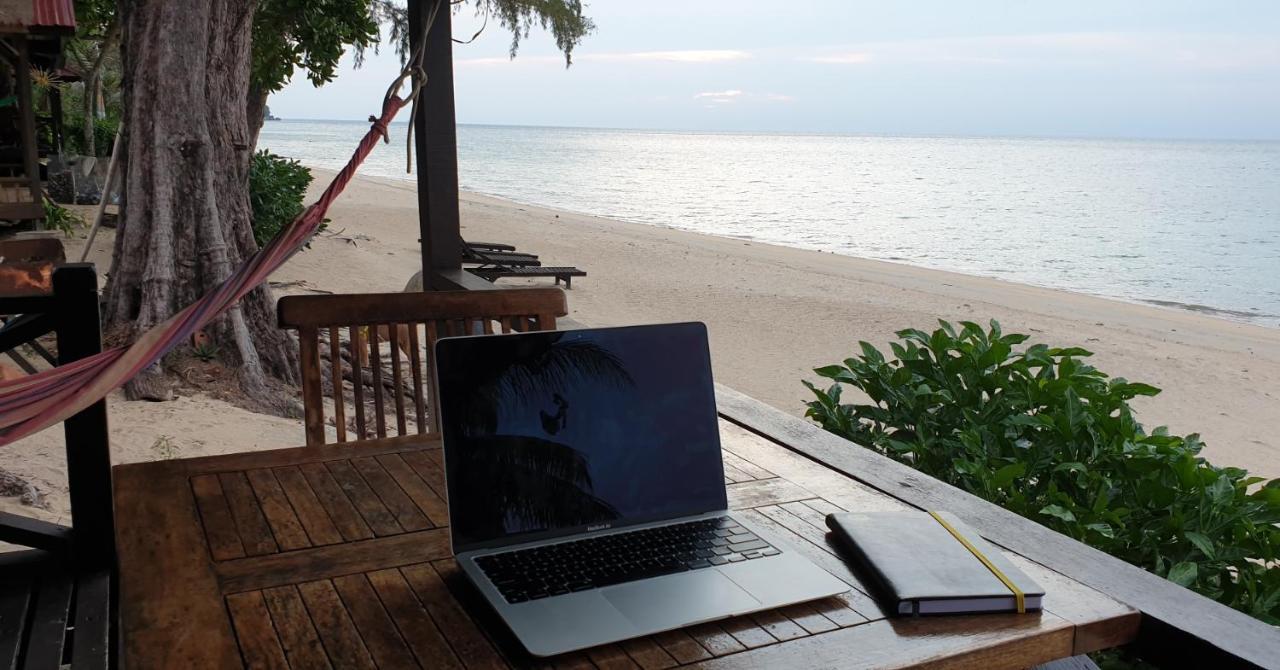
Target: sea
1182	224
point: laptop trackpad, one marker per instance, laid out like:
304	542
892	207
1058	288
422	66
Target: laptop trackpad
686	597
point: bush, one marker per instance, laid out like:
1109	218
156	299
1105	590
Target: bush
1043	434
277	187
104	135
57	217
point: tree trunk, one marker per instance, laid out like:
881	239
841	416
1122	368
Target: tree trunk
257	109
185	221
93	88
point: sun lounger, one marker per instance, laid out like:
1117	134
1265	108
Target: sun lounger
491	246
560	273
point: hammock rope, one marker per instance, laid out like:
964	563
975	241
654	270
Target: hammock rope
33	403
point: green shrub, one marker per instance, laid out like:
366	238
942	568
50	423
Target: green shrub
1040	432
277	187
104	135
57	217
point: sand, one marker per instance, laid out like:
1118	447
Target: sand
773	312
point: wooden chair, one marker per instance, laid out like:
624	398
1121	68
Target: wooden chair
56	595
410	323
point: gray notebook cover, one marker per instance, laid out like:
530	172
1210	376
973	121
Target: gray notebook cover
919	567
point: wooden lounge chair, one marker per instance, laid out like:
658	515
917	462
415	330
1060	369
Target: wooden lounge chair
491	246
563	273
56	597
493	258
411	323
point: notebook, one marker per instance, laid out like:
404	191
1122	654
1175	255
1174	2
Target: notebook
924	563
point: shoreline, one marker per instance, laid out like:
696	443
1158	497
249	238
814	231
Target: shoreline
1222	313
773	314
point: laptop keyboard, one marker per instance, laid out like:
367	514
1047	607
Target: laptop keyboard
604	560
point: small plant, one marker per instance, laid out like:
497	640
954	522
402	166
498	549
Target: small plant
206	351
277	188
1040	432
60	218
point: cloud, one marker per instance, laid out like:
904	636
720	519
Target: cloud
852	58
733	94
691	56
721	96
1173	51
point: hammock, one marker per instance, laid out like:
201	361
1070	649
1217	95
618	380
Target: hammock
33	403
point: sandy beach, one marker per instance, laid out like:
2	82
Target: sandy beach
773	312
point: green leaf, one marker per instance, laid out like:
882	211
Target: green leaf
1058	511
1202	543
1103	529
1005	476
1183	574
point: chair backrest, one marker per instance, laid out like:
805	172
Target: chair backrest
410	323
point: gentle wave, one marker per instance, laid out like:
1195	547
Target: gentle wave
1183	224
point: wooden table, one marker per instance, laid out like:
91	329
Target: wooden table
339	557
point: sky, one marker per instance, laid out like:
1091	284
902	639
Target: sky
1129	68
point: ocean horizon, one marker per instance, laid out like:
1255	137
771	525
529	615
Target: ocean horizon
1180	223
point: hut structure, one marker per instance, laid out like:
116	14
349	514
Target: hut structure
31	38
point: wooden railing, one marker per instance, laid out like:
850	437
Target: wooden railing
1179	628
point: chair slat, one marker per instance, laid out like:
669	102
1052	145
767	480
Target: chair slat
433	335
335	364
415	365
357	380
393	336
506	324
375	364
312	398
488	326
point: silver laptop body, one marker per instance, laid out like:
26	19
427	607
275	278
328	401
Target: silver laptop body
580	462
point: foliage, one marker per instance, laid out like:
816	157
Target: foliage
1042	433
104	135
277	187
57	217
562	17
307	34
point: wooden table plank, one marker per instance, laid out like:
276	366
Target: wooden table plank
424	639
466	639
172	612
337	632
311	514
247	574
258	642
281	518
293	624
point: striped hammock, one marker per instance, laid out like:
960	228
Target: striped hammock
33	403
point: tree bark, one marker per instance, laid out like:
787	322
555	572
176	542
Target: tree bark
185	220
93	88
257	108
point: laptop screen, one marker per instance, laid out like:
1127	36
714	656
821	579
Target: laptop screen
556	432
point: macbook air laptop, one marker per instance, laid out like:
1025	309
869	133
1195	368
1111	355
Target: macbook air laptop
586	489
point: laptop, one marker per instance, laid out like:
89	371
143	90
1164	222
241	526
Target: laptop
586	489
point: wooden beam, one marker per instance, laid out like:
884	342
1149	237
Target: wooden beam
1179	627
27	122
436	146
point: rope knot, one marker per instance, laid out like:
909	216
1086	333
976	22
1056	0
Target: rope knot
380	126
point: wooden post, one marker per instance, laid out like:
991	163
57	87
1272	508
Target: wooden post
79	330
436	148
27	122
